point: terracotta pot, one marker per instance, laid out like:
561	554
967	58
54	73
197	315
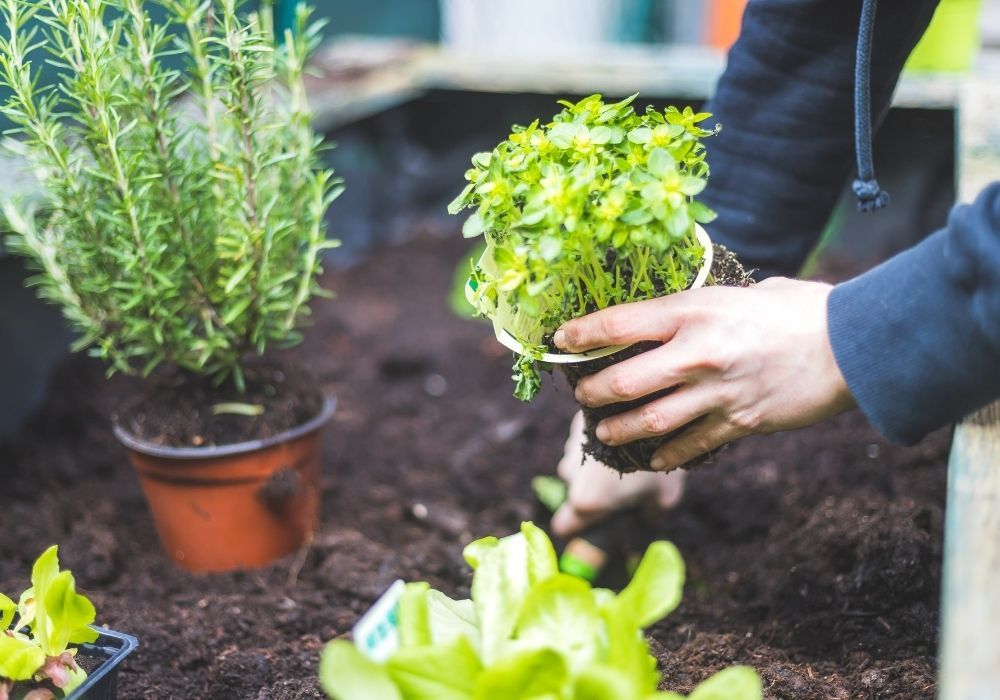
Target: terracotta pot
233	506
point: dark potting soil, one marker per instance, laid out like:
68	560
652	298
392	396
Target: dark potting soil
635	456
177	409
813	556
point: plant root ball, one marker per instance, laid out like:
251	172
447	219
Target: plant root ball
635	456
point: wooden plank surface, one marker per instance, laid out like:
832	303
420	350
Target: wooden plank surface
357	77
689	72
970	634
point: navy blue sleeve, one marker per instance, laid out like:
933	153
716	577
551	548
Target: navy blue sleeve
785	103
918	338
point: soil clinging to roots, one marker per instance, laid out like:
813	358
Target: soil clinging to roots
635	456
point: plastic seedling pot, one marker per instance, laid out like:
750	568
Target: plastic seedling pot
238	506
106	655
563	358
111	648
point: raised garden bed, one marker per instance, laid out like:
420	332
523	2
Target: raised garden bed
812	556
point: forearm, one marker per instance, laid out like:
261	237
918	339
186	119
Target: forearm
786	106
918	338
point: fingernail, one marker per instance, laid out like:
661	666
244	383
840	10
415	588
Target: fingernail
603	434
580	395
657	463
560	339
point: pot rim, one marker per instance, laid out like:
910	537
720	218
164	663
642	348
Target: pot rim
211	451
112	646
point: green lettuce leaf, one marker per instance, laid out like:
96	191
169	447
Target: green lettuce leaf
451	618
543	563
561	614
55	612
7	609
347	674
438	672
736	683
474	551
414	616
537	674
51	616
20	658
656	587
604	683
46	568
75	678
62	615
605	598
499	588
628	651
529	632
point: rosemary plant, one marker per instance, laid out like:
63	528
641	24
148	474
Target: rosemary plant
595	208
182	217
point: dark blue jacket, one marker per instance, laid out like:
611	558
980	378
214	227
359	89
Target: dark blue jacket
917	338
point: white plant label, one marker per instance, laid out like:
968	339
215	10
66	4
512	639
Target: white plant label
376	634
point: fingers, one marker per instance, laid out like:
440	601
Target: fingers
669	490
588	485
701	438
572	458
569	521
657	417
620	325
632	378
597	491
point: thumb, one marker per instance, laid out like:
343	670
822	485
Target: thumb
568	521
670	489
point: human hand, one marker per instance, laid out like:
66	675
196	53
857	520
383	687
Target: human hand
596	491
740	360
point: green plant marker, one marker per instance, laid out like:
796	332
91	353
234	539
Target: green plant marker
582	557
575	566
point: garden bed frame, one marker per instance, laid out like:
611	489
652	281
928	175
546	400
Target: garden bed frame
970	614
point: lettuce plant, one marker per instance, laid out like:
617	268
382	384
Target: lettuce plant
595	208
181	235
50	616
529	632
